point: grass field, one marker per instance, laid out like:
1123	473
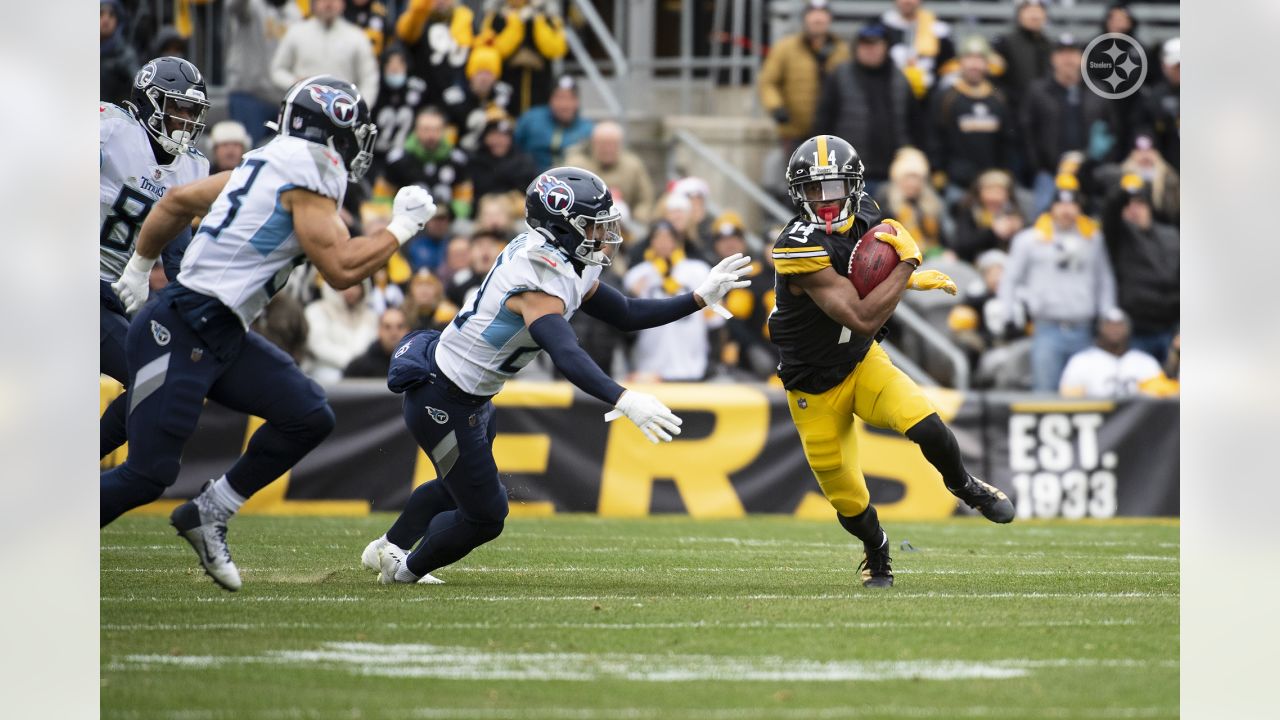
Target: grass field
577	617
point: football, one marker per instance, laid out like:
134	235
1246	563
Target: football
872	260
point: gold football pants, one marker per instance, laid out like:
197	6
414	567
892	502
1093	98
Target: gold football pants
875	391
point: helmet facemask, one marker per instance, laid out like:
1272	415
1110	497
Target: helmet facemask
840	197
356	150
177	119
601	237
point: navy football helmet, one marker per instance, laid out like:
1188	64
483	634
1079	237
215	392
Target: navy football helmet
329	111
826	168
573	209
168	98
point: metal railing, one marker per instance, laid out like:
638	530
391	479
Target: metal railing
931	336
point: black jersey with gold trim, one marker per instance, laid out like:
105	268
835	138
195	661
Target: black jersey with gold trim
817	352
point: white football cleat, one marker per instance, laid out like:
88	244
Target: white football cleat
369	558
390	558
430	579
208	537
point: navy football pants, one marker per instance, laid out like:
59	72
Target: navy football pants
465	506
172	372
113	328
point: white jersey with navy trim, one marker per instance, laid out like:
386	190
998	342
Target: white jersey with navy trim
487	344
130	181
246	247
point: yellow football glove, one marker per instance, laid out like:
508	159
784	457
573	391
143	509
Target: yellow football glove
931	280
902	242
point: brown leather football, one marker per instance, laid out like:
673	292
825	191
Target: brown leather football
872	260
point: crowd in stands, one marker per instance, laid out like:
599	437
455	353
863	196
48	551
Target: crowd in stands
1055	210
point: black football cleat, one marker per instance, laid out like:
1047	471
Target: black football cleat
875	568
986	499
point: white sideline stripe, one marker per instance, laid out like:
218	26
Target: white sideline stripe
689	625
437	597
419	660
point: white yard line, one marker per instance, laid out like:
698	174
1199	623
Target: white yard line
418	594
689	625
416	660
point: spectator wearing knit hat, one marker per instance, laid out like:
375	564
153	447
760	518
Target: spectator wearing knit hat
973	125
987	217
547	132
908	198
471	105
228	142
1144	254
1060	268
530	35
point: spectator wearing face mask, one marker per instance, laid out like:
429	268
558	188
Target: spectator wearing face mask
399	99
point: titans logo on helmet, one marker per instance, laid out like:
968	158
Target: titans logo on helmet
147	72
555	194
338	105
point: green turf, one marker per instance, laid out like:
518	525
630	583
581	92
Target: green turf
579	617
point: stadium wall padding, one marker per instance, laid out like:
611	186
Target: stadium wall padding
738	453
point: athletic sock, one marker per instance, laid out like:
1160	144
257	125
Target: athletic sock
866	527
219	500
404	575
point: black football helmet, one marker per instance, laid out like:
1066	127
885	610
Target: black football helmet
826	168
168	98
573	208
329	111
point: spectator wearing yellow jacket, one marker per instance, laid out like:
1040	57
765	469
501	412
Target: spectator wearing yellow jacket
438	35
794	72
530	36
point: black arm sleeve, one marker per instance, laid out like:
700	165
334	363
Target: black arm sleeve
553	334
630	314
171	255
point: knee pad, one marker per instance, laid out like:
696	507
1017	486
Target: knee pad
486	531
850	500
316	424
823	451
151	477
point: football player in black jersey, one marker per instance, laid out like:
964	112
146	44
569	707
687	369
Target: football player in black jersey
832	367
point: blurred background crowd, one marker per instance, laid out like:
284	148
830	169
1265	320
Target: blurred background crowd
1054	209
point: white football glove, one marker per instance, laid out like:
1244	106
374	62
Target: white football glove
135	283
654	419
724	277
412	208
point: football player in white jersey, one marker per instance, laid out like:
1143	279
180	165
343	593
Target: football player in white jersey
276	210
145	148
522	308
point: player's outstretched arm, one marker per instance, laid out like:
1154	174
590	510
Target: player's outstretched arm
167	219
344	260
544	316
629	314
839	300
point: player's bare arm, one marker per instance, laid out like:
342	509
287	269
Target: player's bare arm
167	218
839	300
344	260
175	211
